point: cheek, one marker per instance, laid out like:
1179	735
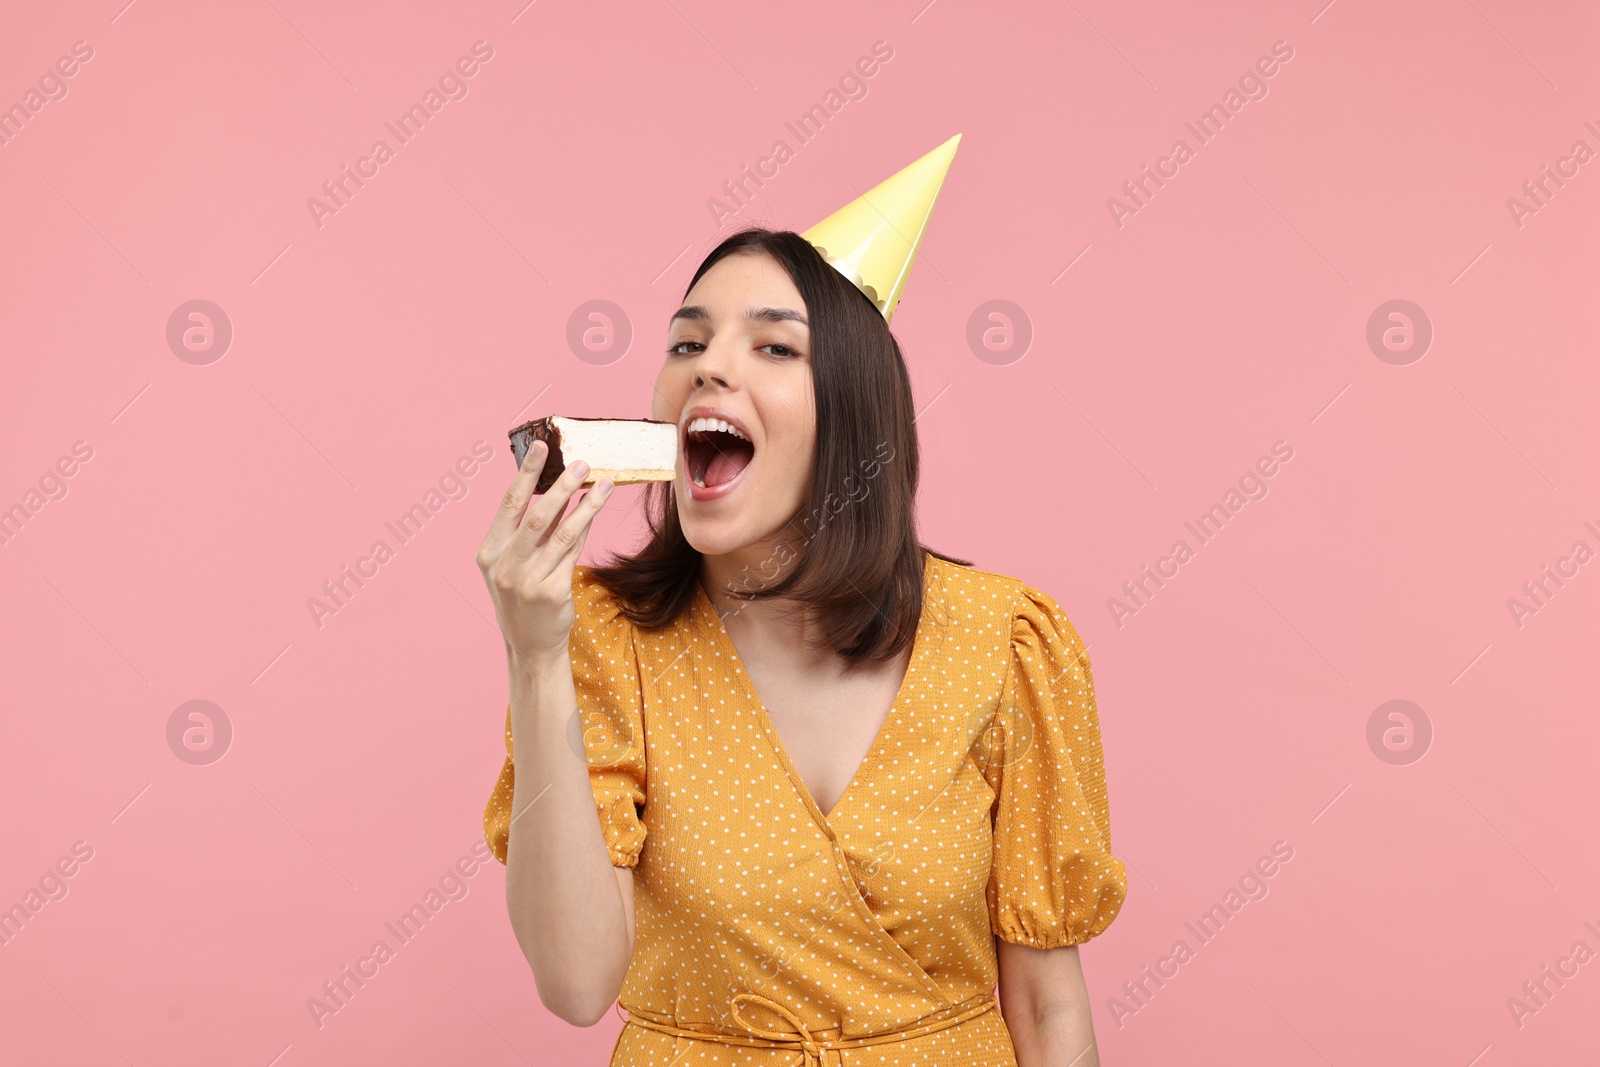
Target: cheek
793	434
806	453
799	454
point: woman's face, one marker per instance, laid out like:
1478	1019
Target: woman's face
739	350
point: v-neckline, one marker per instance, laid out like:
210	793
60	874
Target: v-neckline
919	651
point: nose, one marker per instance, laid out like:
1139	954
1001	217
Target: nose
717	363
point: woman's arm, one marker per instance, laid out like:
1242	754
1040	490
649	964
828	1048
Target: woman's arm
571	910
1046	1006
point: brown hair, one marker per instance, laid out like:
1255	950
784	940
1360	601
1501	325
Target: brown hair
861	571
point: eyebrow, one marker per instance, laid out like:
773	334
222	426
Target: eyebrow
696	313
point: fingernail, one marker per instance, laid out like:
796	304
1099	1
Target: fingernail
604	488
581	468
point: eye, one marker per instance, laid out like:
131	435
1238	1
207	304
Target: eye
677	349
786	351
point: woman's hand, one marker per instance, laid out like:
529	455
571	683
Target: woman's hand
528	555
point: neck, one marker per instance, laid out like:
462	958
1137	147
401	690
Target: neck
754	567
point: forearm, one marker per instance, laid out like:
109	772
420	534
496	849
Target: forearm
562	895
1045	1002
1063	1037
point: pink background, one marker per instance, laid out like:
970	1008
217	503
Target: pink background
371	352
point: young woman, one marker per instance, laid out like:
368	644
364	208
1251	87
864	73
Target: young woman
845	785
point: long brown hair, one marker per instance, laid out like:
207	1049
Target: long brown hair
860	572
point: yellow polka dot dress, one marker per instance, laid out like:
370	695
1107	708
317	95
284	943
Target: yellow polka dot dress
768	934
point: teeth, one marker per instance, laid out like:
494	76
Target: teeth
703	424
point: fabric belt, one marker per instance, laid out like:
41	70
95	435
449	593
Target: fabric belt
813	1050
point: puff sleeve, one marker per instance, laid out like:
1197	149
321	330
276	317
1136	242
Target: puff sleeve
609	726
1053	881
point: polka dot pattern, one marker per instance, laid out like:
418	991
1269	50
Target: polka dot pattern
979	812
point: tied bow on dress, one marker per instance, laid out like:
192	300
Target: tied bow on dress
816	1052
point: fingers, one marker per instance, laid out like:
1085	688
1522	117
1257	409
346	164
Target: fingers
513	505
545	511
568	537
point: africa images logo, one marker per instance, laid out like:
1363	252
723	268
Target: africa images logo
452	85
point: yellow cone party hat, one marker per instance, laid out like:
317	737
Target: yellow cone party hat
872	240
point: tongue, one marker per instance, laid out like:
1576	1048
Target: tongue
726	464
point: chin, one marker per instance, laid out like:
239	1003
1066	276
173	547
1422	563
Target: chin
716	538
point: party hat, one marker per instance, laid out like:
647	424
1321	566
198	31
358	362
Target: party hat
873	239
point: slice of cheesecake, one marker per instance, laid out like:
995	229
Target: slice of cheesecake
625	450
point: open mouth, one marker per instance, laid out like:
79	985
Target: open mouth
714	452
